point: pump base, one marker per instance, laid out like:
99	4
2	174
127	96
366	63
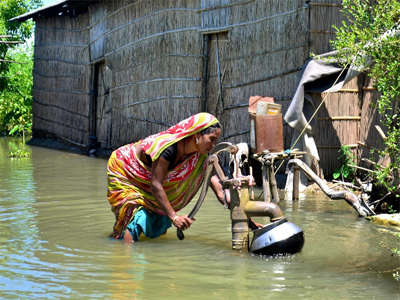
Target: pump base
280	237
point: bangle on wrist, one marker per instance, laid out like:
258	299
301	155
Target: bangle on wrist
173	220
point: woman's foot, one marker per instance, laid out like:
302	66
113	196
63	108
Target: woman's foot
128	239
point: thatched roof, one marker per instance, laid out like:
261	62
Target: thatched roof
70	7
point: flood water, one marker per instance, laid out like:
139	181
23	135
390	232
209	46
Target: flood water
55	222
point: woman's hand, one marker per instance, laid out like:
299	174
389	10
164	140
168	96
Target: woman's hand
159	171
182	222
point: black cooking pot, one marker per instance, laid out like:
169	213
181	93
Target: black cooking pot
279	237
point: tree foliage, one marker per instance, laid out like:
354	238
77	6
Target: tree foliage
16	94
370	40
19	31
16	79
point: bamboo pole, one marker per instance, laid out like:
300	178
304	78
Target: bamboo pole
372	163
11	42
350	90
339	118
368	147
363	169
236	85
206	43
219	77
380	131
264	52
325	4
11	61
96	39
365	145
336	147
224	5
322	31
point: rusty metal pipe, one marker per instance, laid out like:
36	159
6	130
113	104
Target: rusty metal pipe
240	221
242	208
358	204
262	209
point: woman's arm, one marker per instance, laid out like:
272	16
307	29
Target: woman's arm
216	186
218	190
159	172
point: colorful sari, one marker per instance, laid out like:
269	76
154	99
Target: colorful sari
129	178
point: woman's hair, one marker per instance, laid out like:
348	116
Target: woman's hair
211	129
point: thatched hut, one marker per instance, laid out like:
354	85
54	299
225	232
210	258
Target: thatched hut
111	72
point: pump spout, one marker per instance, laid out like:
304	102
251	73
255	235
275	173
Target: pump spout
263	209
280	236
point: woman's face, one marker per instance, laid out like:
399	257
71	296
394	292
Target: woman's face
208	141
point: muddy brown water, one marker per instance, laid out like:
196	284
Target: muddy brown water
55	221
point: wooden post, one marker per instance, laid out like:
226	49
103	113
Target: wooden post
296	183
273	185
265	183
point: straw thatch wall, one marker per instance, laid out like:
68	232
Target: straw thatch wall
61	79
261	53
369	137
346	117
122	70
154	50
154	54
338	123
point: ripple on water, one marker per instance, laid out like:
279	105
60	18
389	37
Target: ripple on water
54	244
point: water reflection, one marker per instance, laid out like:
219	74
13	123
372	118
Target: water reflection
18	226
55	221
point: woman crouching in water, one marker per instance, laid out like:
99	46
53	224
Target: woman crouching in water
153	179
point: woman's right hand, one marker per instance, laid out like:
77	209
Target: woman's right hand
182	222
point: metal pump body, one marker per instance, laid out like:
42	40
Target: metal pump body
280	236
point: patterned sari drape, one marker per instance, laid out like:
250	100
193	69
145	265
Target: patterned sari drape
129	179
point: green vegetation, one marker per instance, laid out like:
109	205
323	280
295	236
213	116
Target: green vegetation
16	93
16	78
391	210
17	149
370	41
396	252
348	159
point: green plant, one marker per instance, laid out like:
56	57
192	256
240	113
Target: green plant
370	41
348	159
19	31
16	66
17	151
391	210
396	252
16	95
